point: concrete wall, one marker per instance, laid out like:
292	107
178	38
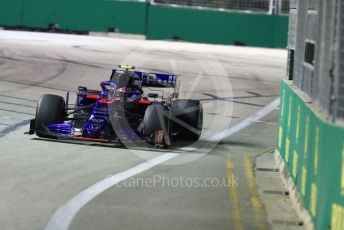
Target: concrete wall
156	22
209	26
11	12
313	151
89	15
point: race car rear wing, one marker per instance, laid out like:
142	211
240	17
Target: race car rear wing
149	79
157	79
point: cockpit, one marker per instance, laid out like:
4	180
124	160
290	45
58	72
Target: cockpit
126	80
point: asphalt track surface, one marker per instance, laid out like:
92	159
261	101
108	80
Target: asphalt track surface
39	177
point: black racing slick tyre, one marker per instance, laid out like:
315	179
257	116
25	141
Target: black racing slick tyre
50	110
187	118
154	119
156	123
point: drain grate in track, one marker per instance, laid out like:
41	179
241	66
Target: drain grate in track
267	169
274	192
288	222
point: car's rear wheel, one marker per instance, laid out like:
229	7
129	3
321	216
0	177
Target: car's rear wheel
50	110
187	116
156	123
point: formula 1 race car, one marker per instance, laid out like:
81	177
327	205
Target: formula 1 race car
121	112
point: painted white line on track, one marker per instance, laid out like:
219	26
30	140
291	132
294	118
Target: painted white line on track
64	215
244	123
5	117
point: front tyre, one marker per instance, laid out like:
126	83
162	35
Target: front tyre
50	110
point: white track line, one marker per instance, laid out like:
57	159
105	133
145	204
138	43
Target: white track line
64	215
244	123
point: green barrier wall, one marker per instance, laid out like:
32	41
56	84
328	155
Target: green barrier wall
210	26
156	22
11	12
313	151
89	15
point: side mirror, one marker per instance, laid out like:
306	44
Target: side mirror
154	95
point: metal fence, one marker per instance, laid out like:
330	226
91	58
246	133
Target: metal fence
316	48
260	6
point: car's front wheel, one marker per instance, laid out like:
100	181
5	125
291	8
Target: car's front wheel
50	110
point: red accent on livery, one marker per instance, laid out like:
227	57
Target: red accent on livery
144	101
106	101
95	97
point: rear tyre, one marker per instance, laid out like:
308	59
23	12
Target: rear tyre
50	110
155	122
187	118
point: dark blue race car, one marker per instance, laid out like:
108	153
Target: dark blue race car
121	112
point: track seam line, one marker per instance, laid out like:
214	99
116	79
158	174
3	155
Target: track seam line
255	201
234	197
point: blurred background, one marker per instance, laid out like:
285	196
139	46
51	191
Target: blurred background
260	23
